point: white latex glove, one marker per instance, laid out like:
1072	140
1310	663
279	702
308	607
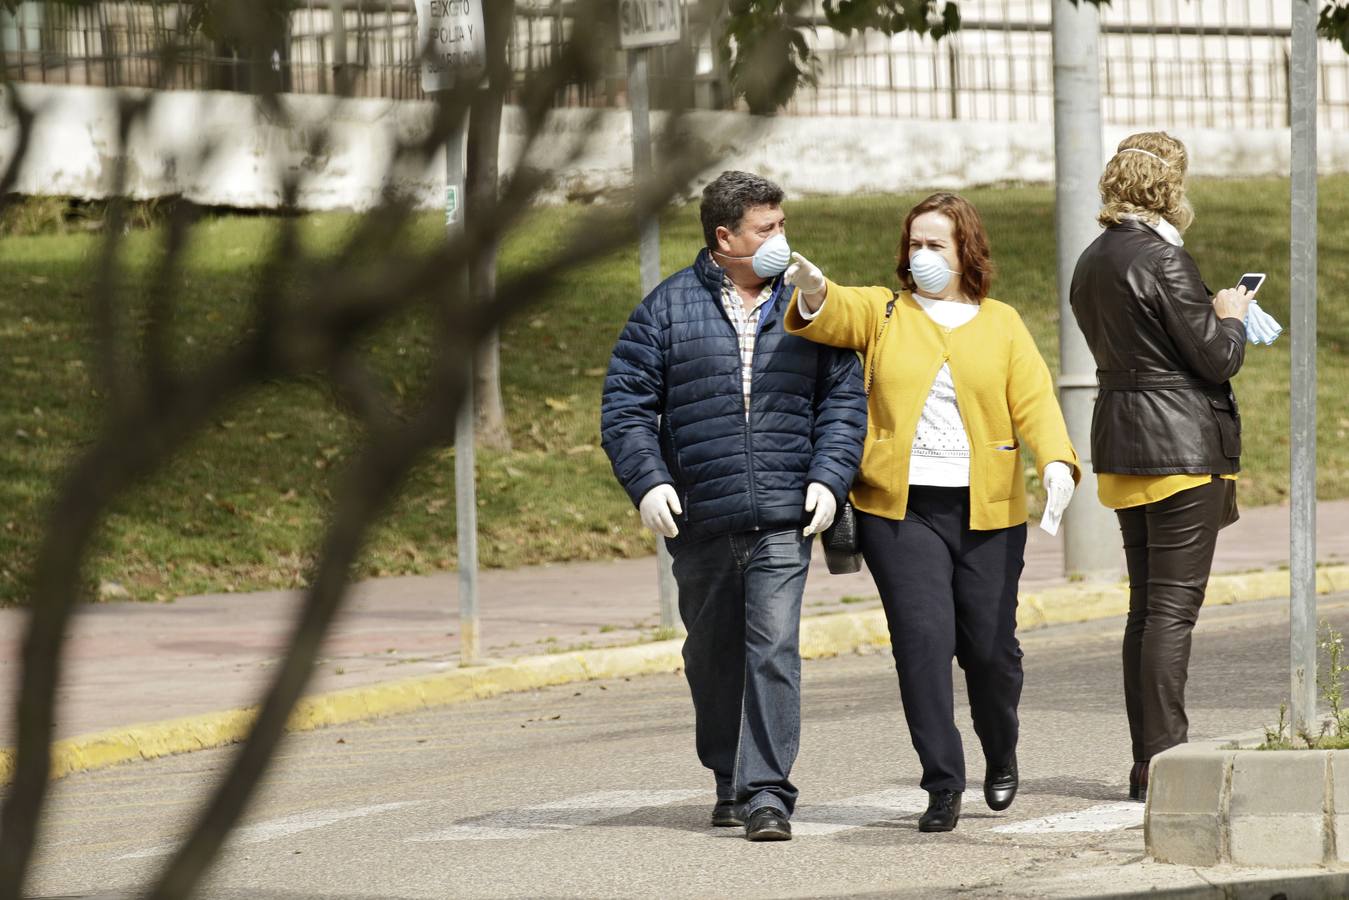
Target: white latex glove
1059	487
1261	327
819	500
804	274
658	509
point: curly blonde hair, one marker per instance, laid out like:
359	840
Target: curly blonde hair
1149	185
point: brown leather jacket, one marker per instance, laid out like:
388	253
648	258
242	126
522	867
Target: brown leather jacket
1163	358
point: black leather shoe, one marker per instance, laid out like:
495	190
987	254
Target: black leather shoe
724	815
768	824
943	811
1000	786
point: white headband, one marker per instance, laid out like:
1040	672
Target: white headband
1145	153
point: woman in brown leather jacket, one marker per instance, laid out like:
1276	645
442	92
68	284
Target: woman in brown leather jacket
1166	434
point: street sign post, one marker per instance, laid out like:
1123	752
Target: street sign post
643	24
454	54
1302	384
1091	538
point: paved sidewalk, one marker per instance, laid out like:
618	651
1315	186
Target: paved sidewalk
133	663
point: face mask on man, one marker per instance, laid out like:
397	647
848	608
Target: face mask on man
771	259
929	270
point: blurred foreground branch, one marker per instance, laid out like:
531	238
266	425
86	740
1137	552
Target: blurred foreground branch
309	314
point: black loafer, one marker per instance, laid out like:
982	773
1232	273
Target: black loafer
1000	786
724	815
943	811
768	824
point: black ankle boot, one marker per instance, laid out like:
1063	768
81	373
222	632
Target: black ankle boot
1000	786
943	811
1138	781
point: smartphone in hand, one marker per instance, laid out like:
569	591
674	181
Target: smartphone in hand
1251	281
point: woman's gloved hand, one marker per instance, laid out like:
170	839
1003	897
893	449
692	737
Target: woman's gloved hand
658	508
819	500
1059	488
805	275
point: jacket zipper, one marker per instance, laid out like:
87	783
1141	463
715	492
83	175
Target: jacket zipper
749	410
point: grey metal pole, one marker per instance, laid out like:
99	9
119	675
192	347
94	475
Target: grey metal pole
648	255
465	485
1302	424
1091	539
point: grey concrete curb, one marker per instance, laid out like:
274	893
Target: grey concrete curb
821	636
1224	802
1321	886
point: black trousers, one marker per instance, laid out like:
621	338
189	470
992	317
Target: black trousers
1168	548
950	592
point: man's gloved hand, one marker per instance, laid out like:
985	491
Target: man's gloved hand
804	274
819	500
658	509
1059	487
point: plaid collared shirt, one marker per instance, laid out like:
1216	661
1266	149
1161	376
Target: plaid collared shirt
746	322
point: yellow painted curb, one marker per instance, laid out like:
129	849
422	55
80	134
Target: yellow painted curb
821	636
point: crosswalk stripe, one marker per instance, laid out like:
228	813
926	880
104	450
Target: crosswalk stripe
833	816
266	831
554	816
1106	817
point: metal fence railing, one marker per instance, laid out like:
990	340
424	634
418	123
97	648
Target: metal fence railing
1199	63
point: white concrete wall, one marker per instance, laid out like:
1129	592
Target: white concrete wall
73	149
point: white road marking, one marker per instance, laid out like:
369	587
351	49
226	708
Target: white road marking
305	821
558	815
1106	817
834	816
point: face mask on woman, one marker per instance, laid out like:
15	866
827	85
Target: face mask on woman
929	270
771	259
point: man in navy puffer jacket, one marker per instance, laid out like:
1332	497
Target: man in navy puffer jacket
737	441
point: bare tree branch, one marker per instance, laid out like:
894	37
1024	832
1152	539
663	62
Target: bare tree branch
158	372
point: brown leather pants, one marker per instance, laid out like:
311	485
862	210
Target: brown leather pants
1168	547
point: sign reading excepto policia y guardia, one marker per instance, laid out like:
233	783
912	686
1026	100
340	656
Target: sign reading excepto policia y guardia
450	33
648	23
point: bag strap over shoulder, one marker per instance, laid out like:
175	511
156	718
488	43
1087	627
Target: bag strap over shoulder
871	370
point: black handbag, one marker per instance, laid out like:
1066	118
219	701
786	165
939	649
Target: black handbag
842	547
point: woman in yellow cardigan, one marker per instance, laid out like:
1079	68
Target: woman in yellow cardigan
955	384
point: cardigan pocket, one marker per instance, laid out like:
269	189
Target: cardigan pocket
1001	467
878	467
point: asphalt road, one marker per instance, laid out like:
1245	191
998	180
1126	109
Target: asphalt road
593	790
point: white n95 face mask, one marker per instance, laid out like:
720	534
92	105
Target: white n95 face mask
771	259
929	270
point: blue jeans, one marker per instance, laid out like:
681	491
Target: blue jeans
740	599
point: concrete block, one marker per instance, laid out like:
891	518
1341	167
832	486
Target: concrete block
1189	779
1274	782
1339	774
1277	840
1183	838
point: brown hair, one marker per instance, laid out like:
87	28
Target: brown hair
1149	185
976	264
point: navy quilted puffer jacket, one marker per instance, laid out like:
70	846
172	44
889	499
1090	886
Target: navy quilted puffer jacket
673	410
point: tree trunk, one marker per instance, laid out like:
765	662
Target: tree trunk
481	178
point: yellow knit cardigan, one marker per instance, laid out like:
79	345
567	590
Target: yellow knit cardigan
1003	388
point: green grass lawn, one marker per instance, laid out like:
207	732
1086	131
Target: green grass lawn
241	508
